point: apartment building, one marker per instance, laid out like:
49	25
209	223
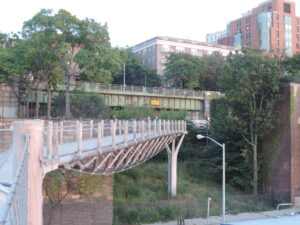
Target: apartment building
214	37
154	52
272	27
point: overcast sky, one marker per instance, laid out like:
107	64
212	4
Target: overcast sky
133	21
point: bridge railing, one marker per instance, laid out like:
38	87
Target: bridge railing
102	134
97	87
15	208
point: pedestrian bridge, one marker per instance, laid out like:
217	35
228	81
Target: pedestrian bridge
102	147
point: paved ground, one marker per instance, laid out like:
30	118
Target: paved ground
283	217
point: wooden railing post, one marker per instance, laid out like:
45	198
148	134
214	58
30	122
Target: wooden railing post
120	126
50	143
159	126
99	135
61	132
79	136
113	132
143	129
134	129
154	122
91	129
56	128
125	131
149	126
164	122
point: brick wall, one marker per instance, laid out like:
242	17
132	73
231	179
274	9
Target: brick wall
281	149
83	209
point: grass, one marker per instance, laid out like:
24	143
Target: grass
140	194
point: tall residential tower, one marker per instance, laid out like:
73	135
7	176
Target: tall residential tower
272	26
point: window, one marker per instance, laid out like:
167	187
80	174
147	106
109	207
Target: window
276	16
278	43
277	50
179	49
287	8
248	36
276	25
194	51
277	34
297	22
269	8
297	46
297	37
239	23
248	27
165	48
297	29
248	20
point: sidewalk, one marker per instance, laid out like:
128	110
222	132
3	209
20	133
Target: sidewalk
215	220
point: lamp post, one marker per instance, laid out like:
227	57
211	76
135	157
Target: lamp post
199	136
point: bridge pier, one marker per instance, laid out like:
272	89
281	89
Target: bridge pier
172	166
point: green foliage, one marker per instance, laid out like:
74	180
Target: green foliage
251	83
173	115
135	72
140	194
183	70
292	67
213	71
84	105
133	112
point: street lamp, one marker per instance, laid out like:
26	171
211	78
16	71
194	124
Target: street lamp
199	136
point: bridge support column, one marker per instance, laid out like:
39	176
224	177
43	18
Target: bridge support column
172	166
35	129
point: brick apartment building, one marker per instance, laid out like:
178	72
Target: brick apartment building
154	52
272	26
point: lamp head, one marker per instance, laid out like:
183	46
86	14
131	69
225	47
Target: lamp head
199	136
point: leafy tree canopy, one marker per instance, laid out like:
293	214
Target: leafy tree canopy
135	72
183	70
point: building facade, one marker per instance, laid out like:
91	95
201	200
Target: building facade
272	27
154	52
214	37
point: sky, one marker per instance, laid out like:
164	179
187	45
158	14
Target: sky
133	21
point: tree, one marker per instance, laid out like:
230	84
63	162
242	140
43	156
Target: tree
251	83
84	105
223	128
87	50
44	48
135	72
292	67
183	70
213	64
